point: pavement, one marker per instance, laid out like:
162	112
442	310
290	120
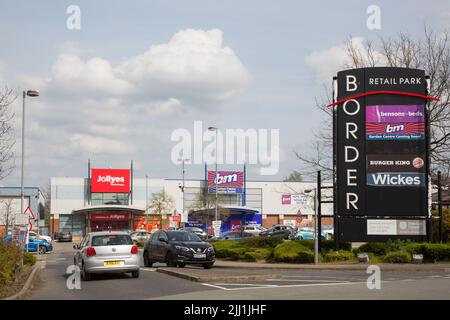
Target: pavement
244	281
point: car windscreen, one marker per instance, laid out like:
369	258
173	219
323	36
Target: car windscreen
183	236
111	240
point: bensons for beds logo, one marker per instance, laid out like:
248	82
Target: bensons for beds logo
396	179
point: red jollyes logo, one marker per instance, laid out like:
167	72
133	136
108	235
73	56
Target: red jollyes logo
110	180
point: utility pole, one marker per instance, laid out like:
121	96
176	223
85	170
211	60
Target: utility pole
440	206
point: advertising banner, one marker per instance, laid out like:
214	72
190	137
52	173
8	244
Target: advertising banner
293	199
227	181
381	153
110	180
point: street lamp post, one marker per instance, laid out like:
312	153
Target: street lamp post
215	130
146	202
30	93
182	186
316	235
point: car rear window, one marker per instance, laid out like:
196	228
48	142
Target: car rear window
111	240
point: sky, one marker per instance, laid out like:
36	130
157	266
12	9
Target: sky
135	72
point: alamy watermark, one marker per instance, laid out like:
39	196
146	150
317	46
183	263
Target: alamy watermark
74	277
374	280
234	146
73	22
373	21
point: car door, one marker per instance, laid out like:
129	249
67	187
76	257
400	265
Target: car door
32	244
164	245
78	257
153	246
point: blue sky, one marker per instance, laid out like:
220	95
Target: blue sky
273	81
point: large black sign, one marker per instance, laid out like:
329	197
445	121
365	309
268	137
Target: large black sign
381	154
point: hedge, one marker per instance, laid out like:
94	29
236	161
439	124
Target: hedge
29	259
293	251
9	264
397	257
335	256
261	242
431	252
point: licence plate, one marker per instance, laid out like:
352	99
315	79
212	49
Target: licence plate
199	256
113	263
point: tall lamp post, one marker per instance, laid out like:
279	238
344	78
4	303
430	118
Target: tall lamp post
29	93
146	202
183	160
215	180
316	240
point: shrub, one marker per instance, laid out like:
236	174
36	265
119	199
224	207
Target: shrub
328	245
261	242
258	254
377	248
398	257
431	252
9	263
29	259
222	247
293	251
341	255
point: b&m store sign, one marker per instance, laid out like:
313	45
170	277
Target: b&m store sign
226	181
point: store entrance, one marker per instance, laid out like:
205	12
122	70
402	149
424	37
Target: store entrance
109	225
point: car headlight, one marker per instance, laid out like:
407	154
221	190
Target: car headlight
181	248
210	249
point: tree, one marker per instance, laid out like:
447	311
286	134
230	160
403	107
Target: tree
432	54
161	203
294	176
7	213
7	97
206	202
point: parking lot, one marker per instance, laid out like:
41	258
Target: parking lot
224	282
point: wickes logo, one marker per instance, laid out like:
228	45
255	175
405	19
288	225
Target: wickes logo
396	179
111	180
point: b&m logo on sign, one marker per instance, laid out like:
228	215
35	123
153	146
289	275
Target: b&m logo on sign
227	181
395	122
110	180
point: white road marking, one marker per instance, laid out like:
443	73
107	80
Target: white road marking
285	286
217	287
246	284
308	280
147	269
61	259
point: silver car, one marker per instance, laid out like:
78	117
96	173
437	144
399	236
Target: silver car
108	251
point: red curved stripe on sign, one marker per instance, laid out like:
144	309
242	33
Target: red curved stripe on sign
400	93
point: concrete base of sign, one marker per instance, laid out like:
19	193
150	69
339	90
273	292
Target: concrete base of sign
363	257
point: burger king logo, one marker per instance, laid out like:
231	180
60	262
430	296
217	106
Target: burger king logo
418	163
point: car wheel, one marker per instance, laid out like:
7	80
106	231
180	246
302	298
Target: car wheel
147	261
135	274
207	266
42	249
170	261
182	265
86	276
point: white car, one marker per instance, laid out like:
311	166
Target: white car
253	229
36	235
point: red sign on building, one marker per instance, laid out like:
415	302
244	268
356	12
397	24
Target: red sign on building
109	217
110	180
286	199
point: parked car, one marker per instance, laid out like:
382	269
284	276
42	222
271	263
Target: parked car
65	237
139	236
107	252
235	235
253	229
36	244
46	238
305	233
178	248
282	231
198	231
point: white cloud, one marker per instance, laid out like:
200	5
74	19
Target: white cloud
91	107
326	63
93	145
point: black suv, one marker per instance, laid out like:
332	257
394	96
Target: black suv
178	248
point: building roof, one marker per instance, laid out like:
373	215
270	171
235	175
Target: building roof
109	208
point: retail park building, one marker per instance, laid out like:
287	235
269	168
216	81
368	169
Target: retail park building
115	199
